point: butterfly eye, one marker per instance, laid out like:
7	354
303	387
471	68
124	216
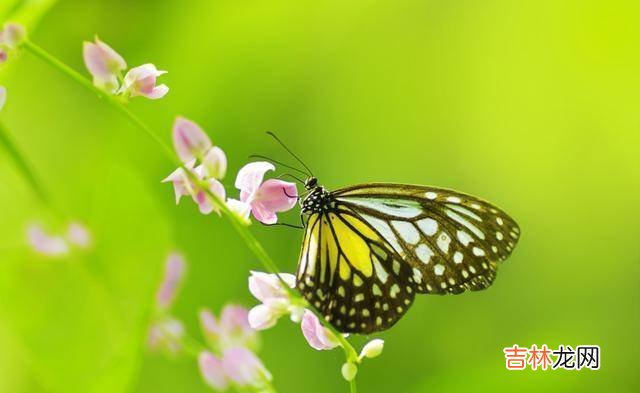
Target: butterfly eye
311	182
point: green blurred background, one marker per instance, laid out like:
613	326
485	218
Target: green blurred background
533	105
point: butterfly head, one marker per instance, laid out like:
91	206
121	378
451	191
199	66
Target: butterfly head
311	183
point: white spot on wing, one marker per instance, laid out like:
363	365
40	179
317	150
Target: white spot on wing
430	195
457	257
438	270
443	242
466	223
477	251
424	253
428	225
380	272
394	207
465	211
464	238
407	231
385	230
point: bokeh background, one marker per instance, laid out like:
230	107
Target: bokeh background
533	105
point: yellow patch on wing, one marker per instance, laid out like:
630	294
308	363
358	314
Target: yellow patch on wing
308	244
345	271
331	249
354	247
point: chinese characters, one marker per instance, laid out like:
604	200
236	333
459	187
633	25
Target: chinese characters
564	357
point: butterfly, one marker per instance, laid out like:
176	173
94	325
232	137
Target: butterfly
369	249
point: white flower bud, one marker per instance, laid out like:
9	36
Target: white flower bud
372	349
349	371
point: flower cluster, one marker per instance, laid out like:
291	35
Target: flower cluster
230	359
55	245
207	165
276	301
11	36
106	67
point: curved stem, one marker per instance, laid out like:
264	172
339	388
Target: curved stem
240	227
23	165
352	386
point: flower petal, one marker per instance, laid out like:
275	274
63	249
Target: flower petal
273	196
46	244
3	96
244	368
209	325
266	287
250	177
215	163
317	335
235	318
205	204
212	371
240	209
174	272
78	235
13	34
104	64
141	80
189	140
158	92
263	317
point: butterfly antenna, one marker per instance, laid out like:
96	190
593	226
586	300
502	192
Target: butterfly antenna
292	153
296	178
279	163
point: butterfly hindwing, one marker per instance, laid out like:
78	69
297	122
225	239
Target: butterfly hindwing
452	241
351	275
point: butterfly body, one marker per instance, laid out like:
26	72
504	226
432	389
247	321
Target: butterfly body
368	249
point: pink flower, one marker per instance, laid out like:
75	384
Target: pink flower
211	371
45	244
173	275
268	287
3	56
78	235
182	185
317	336
232	330
166	335
3	96
203	200
268	198
141	81
244	368
104	64
276	301
189	141
12	35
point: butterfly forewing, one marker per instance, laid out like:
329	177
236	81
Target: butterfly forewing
350	274
452	241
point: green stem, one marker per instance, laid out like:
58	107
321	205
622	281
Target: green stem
352	386
22	165
238	225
